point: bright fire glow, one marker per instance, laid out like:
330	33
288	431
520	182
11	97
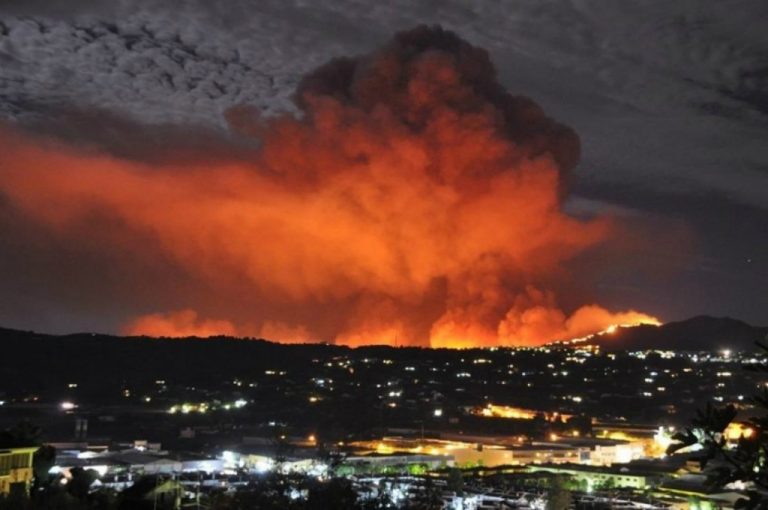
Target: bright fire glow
414	202
631	319
518	413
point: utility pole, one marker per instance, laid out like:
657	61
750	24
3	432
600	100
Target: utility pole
197	495
154	504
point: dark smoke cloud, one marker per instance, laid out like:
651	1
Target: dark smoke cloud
373	81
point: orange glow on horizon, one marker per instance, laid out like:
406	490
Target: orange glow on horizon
517	413
181	324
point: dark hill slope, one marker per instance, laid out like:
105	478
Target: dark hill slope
701	333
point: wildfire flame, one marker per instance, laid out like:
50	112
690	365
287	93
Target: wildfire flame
638	320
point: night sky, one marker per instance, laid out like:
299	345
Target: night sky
669	100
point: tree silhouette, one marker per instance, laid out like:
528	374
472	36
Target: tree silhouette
22	435
79	484
558	496
456	481
42	461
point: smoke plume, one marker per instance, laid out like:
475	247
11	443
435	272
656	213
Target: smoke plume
412	201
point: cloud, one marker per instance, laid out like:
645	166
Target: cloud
692	72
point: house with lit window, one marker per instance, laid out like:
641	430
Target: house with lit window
16	470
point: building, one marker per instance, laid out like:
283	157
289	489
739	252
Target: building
134	461
374	462
691	492
16	470
595	477
501	452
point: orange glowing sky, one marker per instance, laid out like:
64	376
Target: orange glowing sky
414	202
